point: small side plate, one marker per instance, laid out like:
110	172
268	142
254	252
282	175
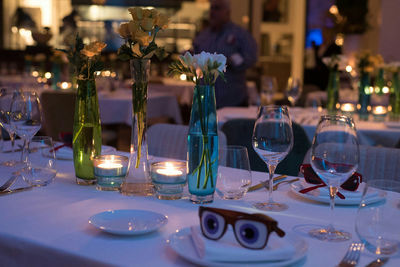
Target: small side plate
128	222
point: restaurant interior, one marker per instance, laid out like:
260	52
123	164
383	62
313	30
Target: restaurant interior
119	117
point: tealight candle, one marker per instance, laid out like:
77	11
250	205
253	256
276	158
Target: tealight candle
110	171
168	178
347	107
379	113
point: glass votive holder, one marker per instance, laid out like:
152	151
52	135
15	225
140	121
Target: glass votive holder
379	113
110	171
347	109
169	178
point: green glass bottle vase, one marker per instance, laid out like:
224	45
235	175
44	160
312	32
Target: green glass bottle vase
203	145
86	140
333	90
364	96
394	99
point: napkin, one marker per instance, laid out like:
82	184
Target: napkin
227	249
67	153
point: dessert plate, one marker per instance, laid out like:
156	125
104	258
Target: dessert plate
128	222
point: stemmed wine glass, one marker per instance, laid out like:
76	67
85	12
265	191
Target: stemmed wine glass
272	140
293	90
269	86
334	157
26	117
6	97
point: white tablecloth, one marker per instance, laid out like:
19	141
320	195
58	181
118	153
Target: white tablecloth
48	226
116	107
369	132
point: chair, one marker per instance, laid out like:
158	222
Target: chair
170	140
58	109
240	131
375	162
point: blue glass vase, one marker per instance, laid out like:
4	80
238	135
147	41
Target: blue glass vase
203	145
364	96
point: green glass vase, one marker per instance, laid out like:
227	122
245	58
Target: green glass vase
364	96
333	90
394	98
86	140
203	145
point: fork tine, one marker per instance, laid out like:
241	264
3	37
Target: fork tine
352	255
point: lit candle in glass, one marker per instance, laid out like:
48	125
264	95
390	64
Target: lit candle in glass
347	107
168	178
110	171
379	112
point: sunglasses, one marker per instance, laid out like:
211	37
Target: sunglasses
311	177
251	231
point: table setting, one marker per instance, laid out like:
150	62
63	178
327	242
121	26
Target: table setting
81	203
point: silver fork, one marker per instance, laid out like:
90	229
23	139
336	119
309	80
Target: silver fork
352	255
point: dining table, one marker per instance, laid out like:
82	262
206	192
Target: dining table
373	133
49	226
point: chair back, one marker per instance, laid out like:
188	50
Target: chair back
240	131
170	140
58	109
375	162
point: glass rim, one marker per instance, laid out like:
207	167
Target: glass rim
107	156
181	164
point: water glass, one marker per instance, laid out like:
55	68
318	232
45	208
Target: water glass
234	175
269	86
293	90
377	224
40	170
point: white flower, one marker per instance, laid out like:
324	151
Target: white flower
201	60
187	59
221	59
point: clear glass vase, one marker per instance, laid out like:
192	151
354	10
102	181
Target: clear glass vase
138	180
364	96
333	90
86	140
202	146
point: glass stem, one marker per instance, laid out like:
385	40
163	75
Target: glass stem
25	151
271	169
332	193
12	138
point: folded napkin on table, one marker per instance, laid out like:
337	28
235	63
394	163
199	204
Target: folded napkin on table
227	249
324	191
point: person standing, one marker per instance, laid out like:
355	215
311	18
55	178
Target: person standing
222	36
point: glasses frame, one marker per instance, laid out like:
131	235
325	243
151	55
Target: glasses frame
311	177
231	217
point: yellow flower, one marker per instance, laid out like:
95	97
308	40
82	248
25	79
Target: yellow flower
162	21
142	37
147	24
136	13
124	31
93	49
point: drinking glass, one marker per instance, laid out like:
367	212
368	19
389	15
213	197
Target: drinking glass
269	86
234	175
40	170
272	140
6	96
26	117
293	90
377	223
334	157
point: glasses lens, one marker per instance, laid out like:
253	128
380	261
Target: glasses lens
212	224
352	183
251	234
309	175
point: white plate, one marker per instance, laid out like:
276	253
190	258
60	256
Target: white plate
66	153
128	222
181	242
316	196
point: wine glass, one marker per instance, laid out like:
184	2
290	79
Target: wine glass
26	117
293	90
6	97
269	86
41	168
334	157
272	140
